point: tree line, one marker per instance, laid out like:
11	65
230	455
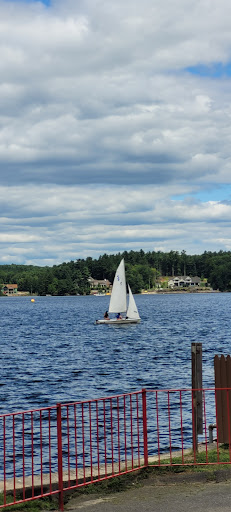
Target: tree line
143	271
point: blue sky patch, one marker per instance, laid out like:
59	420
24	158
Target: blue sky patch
220	193
45	2
215	70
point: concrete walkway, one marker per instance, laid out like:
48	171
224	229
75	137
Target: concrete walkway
177	494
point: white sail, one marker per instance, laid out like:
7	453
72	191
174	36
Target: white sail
118	301
132	311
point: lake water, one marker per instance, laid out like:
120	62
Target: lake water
51	351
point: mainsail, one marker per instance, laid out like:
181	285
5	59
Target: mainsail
118	301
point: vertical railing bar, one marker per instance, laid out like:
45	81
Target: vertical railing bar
157	427
68	448
83	442
60	454
169	426
206	442
13	418
131	412
125	434
32	453
218	455
76	447
23	455
145	426
138	427
118	426
41	452
105	437
49	434
181	428
97	433
112	446
90	428
193	429
4	457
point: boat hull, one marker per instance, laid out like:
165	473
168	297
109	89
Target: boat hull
122	321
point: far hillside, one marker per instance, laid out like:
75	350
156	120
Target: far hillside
144	271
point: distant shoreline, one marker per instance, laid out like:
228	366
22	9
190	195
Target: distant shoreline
154	292
175	292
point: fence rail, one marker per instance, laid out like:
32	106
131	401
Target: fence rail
50	450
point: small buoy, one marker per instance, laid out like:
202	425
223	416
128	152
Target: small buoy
32	300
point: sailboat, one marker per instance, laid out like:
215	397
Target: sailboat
118	301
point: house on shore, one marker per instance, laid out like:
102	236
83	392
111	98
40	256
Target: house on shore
184	282
102	285
9	289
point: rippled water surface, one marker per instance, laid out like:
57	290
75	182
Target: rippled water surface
51	350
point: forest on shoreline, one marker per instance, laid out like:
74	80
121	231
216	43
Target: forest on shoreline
143	271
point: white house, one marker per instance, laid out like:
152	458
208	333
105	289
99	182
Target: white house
95	284
184	281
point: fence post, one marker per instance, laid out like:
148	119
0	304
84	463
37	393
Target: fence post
145	426
197	413
60	455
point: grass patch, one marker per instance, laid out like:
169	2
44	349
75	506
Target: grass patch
204	462
115	484
32	506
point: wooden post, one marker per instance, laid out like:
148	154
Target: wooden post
222	367
197	411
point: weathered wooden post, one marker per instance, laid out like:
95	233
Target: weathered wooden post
197	411
222	367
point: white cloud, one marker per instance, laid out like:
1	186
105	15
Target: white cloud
103	126
62	223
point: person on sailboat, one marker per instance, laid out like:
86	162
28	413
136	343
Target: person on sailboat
119	316
106	315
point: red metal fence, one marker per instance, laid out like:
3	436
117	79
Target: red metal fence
50	450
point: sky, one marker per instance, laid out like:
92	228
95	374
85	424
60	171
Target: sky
115	128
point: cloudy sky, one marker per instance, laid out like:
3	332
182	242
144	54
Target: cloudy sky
115	128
